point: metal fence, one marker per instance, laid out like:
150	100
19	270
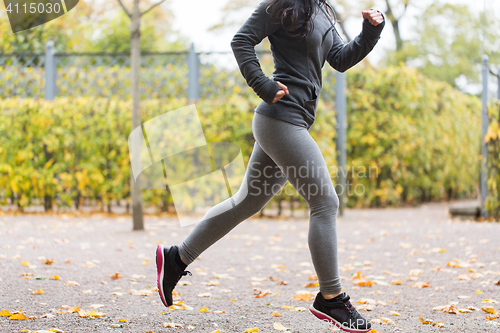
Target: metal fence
163	74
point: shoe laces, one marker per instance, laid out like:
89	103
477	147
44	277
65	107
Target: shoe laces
184	273
348	305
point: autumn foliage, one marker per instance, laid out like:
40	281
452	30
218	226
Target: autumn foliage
419	138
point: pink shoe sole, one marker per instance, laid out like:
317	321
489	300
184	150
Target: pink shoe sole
159	271
325	317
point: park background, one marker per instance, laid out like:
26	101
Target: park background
413	107
415	111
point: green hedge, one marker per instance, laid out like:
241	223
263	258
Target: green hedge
493	143
420	138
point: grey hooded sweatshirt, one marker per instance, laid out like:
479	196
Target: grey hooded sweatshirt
297	62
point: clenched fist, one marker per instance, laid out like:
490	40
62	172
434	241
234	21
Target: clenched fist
374	16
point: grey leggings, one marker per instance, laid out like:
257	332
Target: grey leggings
282	152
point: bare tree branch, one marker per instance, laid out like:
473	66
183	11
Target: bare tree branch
153	6
341	22
124	8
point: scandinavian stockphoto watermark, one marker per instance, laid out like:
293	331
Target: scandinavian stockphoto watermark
171	150
309	180
26	14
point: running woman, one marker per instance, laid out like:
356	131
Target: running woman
302	35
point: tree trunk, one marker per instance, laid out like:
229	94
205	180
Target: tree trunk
395	25
135	36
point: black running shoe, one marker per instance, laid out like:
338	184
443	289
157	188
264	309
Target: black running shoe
168	272
340	312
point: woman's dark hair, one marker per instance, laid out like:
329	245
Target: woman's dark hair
287	12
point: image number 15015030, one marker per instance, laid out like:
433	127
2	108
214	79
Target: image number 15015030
27	14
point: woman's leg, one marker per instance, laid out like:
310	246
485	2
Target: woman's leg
262	180
294	150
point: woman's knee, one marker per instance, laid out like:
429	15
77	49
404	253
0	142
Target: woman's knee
326	202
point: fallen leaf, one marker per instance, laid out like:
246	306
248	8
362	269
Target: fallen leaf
91	313
312	285
205	295
365	307
495	316
5	313
276	314
143	292
383	321
72	283
67	309
213	283
204	309
302	297
397	282
18	316
421	285
279	327
115	276
416	272
394	313
425	321
37	292
48	261
488	309
252	330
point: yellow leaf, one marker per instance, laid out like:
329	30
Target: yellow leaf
425	321
93	313
421	285
276	314
396	282
312	285
488	309
495	316
394	313
18	316
252	330
115	276
279	327
479	292
122	320
302	297
37	292
48	261
5	313
55	277
25	263
204	309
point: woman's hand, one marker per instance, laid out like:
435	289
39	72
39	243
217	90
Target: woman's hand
280	93
374	16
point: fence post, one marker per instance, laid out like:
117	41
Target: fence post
193	75
484	147
340	103
50	71
498	82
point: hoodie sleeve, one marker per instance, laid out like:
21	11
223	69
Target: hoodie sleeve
344	56
253	31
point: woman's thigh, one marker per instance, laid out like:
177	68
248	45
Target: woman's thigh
297	154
